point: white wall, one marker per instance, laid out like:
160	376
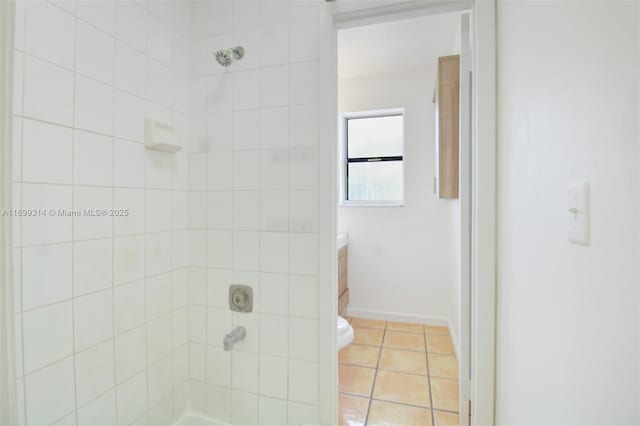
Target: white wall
567	314
402	259
101	301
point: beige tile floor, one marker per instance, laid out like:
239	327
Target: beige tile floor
398	374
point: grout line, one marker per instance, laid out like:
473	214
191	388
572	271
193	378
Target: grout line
375	376
426	354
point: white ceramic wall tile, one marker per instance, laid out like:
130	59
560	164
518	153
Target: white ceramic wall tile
303	296
246	130
274	169
246	210
220	97
246	170
98	13
220	171
19	33
244	371
179	288
246	90
158	345
46	152
46	274
197	361
273	376
303	168
92	265
130	70
16	150
303	211
128	158
48	92
50	393
130	112
274	211
160	376
96	200
93	319
197	172
129	306
130	351
219	323
92	159
218	404
131	200
158	295
94	53
250	40
129	255
274	293
274	252
274	127
197	286
94	371
158	252
218	367
198	255
48	335
159	87
157	169
218	287
197	324
302	414
130	24
303	125
272	411
160	42
181	365
43	21
274	335
46	229
220	130
210	19
275	45
197	209
93	106
303	41
246	16
179	249
218	246
132	399
157	210
246	250
303	254
305	333
274	86
251	342
303	381
302	83
101	409
180	324
244	408
219	210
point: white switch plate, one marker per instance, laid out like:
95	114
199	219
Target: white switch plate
578	213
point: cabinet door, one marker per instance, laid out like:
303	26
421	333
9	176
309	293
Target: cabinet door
448	100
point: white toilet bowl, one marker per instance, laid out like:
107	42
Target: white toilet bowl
345	333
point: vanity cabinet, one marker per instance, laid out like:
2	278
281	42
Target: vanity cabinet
447	102
343	289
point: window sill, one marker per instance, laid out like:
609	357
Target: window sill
371	204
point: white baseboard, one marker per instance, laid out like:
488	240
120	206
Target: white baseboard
400	317
454	339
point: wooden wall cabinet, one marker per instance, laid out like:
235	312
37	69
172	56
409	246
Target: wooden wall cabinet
447	100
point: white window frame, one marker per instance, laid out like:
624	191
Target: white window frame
344	117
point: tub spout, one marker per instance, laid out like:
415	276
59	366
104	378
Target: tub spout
234	337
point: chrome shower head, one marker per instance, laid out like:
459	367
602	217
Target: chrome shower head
225	57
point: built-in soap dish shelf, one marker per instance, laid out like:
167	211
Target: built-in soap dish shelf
160	136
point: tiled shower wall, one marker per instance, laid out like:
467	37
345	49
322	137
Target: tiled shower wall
102	302
253	210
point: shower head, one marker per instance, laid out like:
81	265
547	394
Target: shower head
225	57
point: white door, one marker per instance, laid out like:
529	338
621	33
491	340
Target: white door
465	220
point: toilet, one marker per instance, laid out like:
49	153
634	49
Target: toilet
345	333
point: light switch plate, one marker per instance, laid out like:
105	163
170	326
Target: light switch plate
578	213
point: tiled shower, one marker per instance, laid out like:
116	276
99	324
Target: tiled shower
120	316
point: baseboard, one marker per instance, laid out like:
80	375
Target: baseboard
400	317
454	339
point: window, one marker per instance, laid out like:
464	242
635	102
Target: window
373	157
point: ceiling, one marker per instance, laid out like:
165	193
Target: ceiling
406	45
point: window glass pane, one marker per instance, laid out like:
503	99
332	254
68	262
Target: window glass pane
376	181
374	137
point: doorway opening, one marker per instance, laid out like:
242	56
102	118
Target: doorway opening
402	195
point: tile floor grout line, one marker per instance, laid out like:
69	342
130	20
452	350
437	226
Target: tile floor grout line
375	376
426	354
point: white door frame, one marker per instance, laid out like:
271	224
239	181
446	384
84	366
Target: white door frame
346	13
